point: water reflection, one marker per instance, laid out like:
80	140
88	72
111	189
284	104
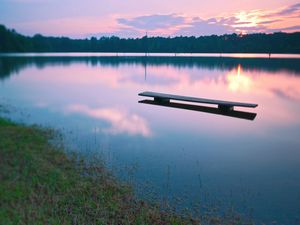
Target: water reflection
215	160
120	121
12	65
212	110
245	80
238	81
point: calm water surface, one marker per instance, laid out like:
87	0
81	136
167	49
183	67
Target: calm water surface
197	158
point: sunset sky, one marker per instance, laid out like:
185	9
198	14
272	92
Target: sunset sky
133	18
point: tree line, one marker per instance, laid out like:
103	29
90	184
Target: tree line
11	41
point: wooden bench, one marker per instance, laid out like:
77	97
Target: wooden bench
222	105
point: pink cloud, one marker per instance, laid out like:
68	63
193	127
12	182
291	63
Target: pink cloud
253	21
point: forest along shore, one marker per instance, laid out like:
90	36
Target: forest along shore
11	41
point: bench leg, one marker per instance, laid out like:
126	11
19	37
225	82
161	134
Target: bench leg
161	100
225	108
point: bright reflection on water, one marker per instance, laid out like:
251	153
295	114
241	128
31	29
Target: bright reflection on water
217	161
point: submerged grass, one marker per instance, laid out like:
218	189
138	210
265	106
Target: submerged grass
41	185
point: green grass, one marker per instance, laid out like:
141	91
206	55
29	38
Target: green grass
41	185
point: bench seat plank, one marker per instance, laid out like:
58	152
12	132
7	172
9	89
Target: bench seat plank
167	97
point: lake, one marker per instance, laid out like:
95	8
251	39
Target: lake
206	162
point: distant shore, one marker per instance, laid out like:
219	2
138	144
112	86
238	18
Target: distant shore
265	43
150	54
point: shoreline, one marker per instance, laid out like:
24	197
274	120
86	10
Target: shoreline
154	54
41	185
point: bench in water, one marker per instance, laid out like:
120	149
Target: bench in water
222	105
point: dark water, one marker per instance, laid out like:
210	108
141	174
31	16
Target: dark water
196	158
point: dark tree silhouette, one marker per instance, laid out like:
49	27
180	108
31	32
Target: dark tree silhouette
11	41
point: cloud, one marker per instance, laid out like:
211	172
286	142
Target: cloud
153	22
252	21
270	21
289	10
292	11
291	28
265	21
228	20
251	29
120	121
205	27
175	24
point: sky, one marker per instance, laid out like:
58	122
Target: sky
135	18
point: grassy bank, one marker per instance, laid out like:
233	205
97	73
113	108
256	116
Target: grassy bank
40	185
